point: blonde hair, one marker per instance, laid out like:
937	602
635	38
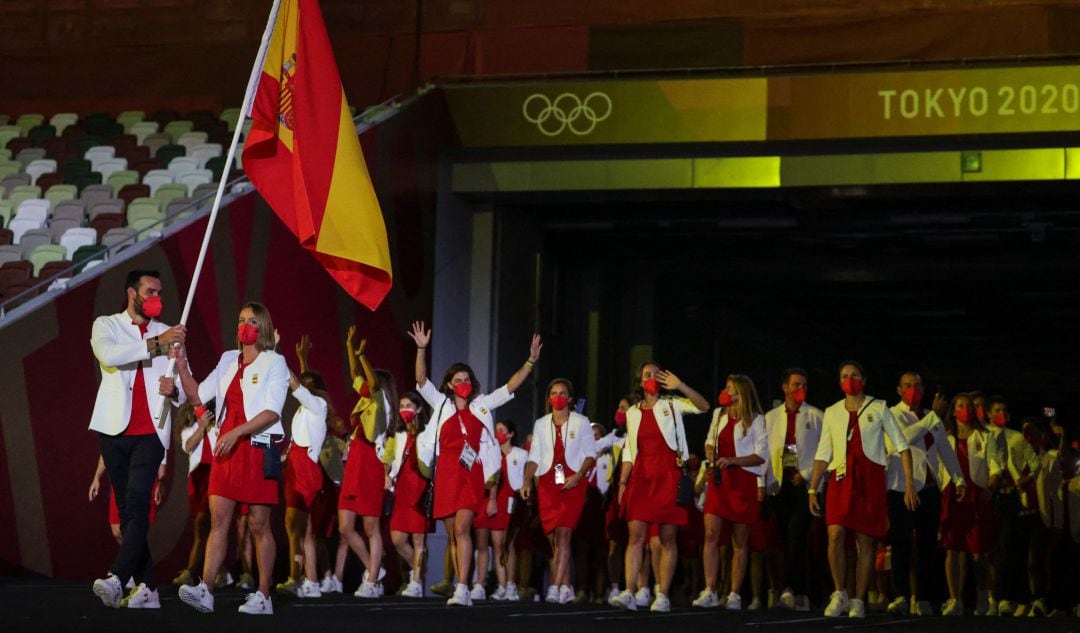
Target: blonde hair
748	407
265	325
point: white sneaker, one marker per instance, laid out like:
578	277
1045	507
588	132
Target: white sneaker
734	602
246	582
552	595
367	590
382	574
661	604
755	605
413	590
109	590
142	597
461	597
478	593
500	594
257	604
706	599
512	592
787	599
624	600
899	606
643	597
197	597
802	603
1005	608
952	607
923	608
566	594
290	586
330	584
612	593
130	584
309	589
858	609
838	603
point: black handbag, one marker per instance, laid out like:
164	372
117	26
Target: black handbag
388	503
271	461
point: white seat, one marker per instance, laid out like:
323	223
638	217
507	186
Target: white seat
182	165
142	129
196	178
40	166
191	139
33	209
99	153
204	152
110	166
157	177
74	238
19	226
92	263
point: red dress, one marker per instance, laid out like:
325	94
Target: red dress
967	525
455	487
408	489
857	501
652	492
363	485
735	499
239	475
501	520
559	507
303	479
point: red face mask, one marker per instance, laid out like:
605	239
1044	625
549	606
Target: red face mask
912	396
364	391
724	398
247	333
799	395
963	416
980	413
999	419
407	415
620	417
501	438
851	386
463	389
651	386
558	403
151	307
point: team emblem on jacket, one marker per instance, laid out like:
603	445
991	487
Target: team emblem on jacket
870	418
255	379
571	435
484	411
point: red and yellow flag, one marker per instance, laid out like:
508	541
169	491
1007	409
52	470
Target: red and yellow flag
304	157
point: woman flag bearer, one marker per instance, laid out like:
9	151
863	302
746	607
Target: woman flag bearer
562	452
408	521
736	448
249	385
652	462
853	449
460	446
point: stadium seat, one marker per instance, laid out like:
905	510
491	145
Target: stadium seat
5	212
49	180
99	153
148	228
156	141
129	118
216	165
83	144
119	179
75	168
18	144
205	191
5	153
69	210
192	139
123	143
59	193
9	168
82	182
120	235
105	221
96	193
143	129
28	121
113	206
7	133
143	208
108	167
178	128
61	120
23	192
166	153
14	270
134	154
73	238
39	133
84	254
21	289
98	123
165	116
46	253
19	226
62	268
59	226
176	205
32	238
230	116
54	147
203	153
29	155
182	165
156	178
40	166
10	253
169	192
144	166
33	209
11	181
128	193
6	237
196	178
72	133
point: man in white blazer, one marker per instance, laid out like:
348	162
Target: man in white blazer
132	350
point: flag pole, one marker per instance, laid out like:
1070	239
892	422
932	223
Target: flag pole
230	156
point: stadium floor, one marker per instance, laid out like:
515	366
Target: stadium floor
39	605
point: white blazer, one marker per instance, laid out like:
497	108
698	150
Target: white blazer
807	436
120	349
195	456
577	437
515	467
481	407
1019	455
602	473
309	422
875	422
265	386
983	459
669	412
939	458
753	442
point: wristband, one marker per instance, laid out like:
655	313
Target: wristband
200	411
812	491
529	362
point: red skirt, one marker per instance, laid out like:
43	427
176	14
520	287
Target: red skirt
407	517
501	519
968	525
363	485
303	479
198	490
559	507
736	499
857	502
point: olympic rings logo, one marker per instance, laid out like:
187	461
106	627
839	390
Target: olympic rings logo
566	112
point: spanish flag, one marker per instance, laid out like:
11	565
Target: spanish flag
304	157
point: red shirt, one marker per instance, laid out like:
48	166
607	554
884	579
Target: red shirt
789	435
140	422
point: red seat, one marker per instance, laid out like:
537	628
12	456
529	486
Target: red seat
6	237
128	193
54	268
14	289
106	221
47	180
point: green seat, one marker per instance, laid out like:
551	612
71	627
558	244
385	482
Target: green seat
129	118
216	165
9	167
98	124
230	116
76	167
177	128
168	192
39	133
23	192
59	193
46	253
7	133
166	153
5	213
84	143
142	208
63	120
84	254
29	121
145	226
84	181
118	179
5	154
